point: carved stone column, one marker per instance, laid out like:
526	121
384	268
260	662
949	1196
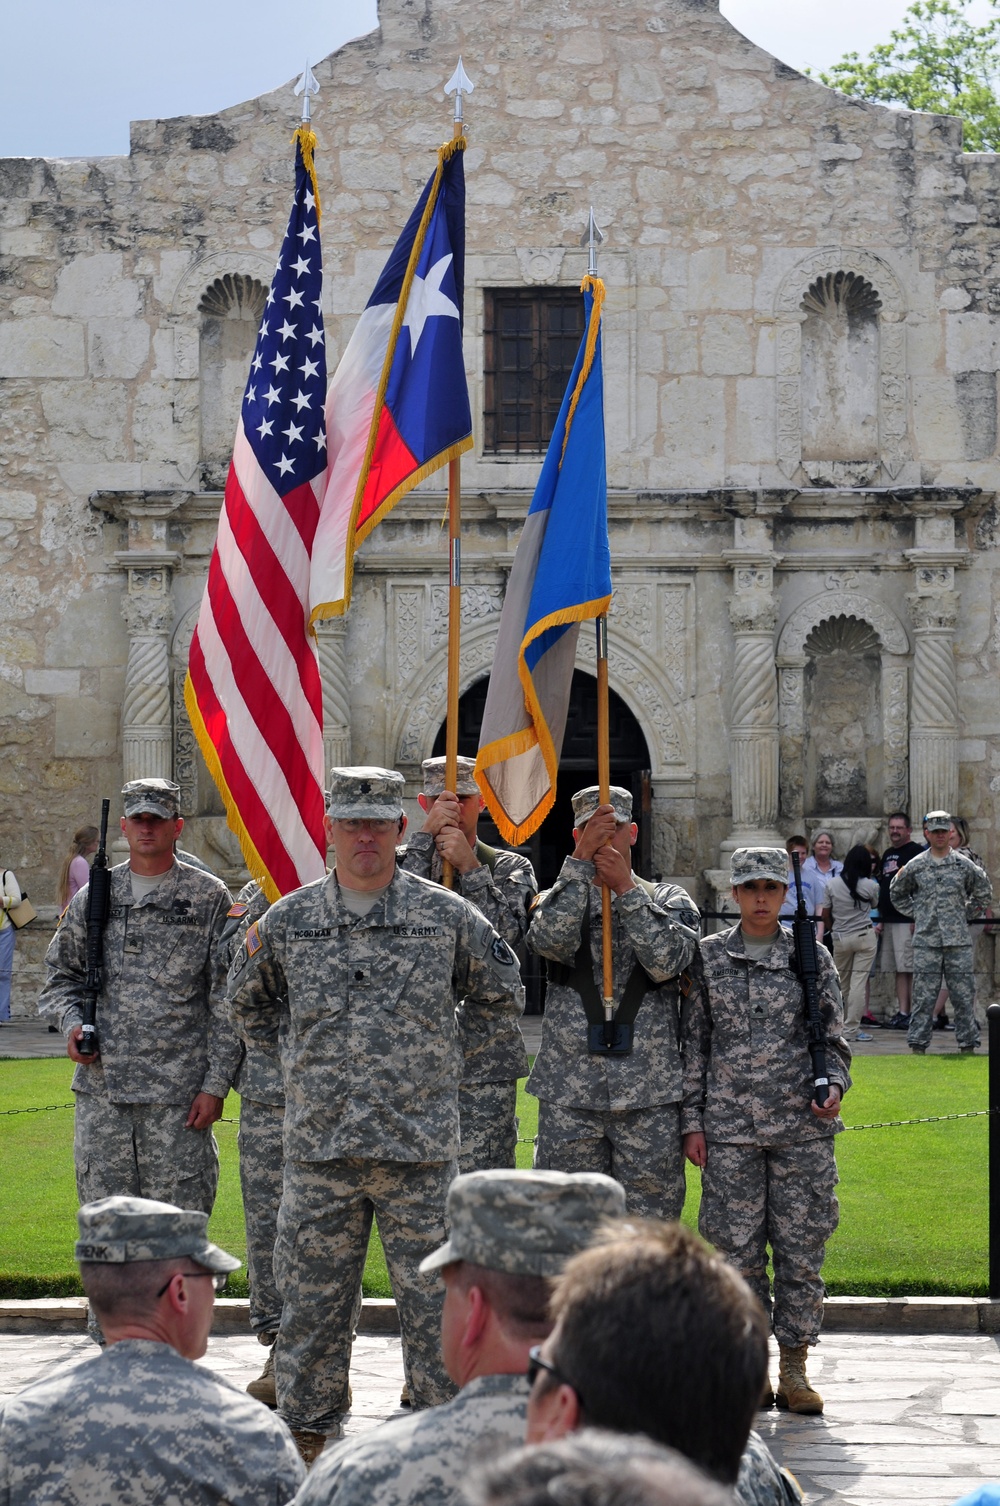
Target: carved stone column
934	726
331	639
147	730
791	695
754	727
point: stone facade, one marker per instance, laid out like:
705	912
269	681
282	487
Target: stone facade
801	345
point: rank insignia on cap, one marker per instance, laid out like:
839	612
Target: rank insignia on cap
254	942
235	911
365	787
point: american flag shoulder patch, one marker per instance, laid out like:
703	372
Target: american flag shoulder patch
235	911
254	942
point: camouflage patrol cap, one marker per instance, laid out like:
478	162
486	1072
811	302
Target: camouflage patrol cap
119	1230
434	768
585	803
749	863
937	821
526	1223
362	793
152	797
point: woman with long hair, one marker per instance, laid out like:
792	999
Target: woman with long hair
847	908
75	870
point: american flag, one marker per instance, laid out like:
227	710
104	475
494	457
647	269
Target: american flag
253	688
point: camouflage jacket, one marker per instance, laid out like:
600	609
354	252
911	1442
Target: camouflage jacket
493	1052
363	1010
161	1018
259	1076
747	1072
423	1459
941	896
761	1480
650	931
139	1423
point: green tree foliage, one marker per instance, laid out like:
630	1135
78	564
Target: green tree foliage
936	61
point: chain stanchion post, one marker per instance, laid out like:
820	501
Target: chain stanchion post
993	1078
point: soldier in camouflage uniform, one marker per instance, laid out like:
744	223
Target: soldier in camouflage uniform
598	1112
510	1232
146	1103
942	890
357	977
749	1119
139	1422
501	885
657	1334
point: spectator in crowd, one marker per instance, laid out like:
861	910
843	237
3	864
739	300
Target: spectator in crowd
821	860
942	890
847	905
812	887
594	1468
511	1232
140	1422
10	895
895	929
655	1333
75	871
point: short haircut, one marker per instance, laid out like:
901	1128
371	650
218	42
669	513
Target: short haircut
659	1335
521	1303
899	816
594	1468
796	842
123	1292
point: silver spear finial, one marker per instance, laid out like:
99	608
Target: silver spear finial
459	84
592	237
306	86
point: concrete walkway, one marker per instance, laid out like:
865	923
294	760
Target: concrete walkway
908	1419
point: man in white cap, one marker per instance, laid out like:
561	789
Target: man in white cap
167	1055
750	1118
610	1100
140	1422
501	885
511	1232
357	977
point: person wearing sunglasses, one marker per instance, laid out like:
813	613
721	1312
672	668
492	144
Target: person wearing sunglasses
140	1421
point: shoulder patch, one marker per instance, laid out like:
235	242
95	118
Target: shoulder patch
253	941
236	910
502	953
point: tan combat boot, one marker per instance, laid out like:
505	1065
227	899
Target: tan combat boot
794	1392
310	1445
262	1389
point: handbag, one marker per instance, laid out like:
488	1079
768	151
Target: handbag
22	914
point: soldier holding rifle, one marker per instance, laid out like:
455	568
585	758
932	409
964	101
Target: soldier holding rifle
147	1098
751	1118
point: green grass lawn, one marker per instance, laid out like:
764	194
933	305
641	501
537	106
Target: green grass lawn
913	1200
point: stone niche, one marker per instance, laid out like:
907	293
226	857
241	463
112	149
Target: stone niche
230	311
843	715
840	378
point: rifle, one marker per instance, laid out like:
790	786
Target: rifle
98	907
807	967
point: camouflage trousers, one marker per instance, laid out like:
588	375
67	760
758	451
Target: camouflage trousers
323	1228
752	1197
640	1148
141	1150
932	966
262	1163
488	1125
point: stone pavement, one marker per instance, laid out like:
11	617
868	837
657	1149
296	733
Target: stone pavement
911	1419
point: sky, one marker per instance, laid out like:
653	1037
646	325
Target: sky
75	72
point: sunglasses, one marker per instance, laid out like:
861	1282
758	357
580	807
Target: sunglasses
217	1278
536	1364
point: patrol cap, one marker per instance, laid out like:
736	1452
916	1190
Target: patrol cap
749	863
118	1230
525	1223
434	769
937	821
585	803
152	797
361	792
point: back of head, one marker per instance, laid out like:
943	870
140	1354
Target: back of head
857	865
594	1468
659	1335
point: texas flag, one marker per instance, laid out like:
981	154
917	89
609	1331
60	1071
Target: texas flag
398	405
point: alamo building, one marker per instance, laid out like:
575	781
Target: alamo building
802	340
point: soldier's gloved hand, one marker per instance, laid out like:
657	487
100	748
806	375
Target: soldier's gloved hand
597	833
830	1109
72	1041
695	1148
445	812
205	1110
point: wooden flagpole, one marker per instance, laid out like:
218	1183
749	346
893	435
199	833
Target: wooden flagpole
459	84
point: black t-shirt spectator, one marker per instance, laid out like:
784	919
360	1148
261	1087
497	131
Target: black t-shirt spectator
893	860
